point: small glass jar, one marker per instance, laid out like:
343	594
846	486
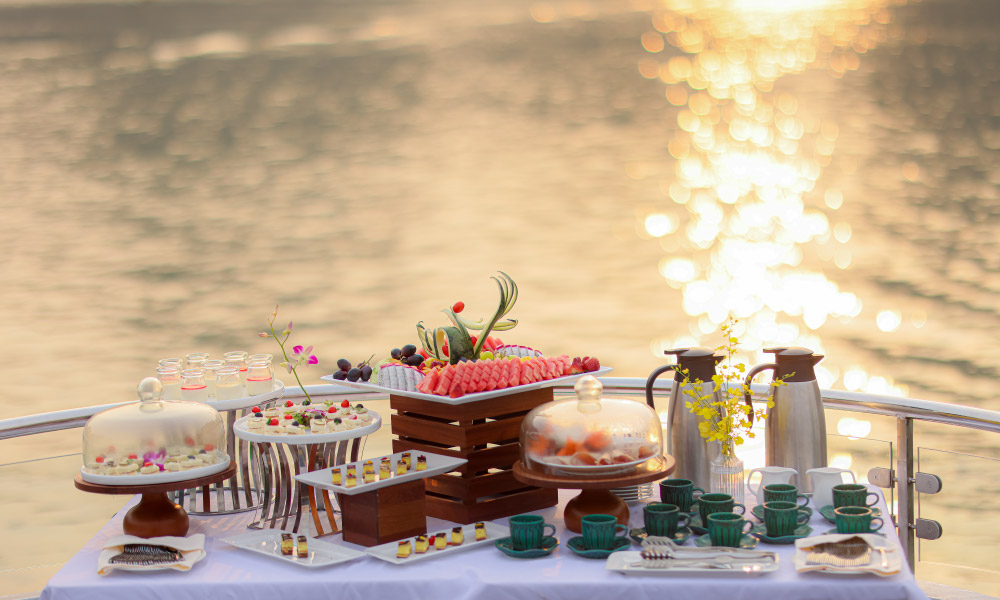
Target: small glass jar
171	362
193	387
259	357
211	368
228	386
196	360
260	378
238	359
170	379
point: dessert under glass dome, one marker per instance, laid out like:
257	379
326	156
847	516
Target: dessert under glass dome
590	435
153	440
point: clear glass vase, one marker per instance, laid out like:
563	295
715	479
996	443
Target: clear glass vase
727	473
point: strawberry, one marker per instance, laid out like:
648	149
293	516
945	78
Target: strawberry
458	307
591	364
345	404
255	409
577	367
133	456
332	409
99	459
209	447
189	441
289	404
273	421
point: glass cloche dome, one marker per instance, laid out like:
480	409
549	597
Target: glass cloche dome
590	435
154	440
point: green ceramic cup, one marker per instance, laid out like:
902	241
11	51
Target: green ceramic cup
727	529
718	503
784	492
781	517
856	519
599	531
679	492
853	494
527	531
662	519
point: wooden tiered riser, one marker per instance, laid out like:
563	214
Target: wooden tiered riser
486	434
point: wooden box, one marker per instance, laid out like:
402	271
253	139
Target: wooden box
484	432
385	514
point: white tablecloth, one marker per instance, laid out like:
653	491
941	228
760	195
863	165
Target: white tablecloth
484	572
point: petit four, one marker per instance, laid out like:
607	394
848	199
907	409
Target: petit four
420	545
149	469
406	459
256	422
440	541
286	544
369	476
404	549
400	468
337	476
385	469
480	531
302	548
352	480
421	463
457	537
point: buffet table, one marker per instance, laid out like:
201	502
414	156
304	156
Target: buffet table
483	572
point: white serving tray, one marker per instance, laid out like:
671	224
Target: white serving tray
626	562
161	477
268	543
436	465
558	381
247	401
893	555
240	428
387	552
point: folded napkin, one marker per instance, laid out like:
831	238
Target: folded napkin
192	550
893	554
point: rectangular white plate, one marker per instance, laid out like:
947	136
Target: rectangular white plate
893	556
623	563
387	552
268	543
558	381
436	465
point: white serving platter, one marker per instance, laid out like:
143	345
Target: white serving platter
268	543
558	381
436	465
893	556
247	401
240	428
161	477
387	552
628	563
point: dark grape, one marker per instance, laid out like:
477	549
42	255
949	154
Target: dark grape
306	402
396	353
344	364
340	375
354	374
366	373
415	360
409	350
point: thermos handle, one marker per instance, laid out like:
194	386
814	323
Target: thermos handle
747	381
652	378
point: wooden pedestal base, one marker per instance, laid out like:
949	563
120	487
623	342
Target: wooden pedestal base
155	516
384	514
592	502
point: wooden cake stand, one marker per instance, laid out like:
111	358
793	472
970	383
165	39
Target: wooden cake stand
156	515
595	496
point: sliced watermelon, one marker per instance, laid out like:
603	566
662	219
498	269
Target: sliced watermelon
428	383
444	380
514	377
456	388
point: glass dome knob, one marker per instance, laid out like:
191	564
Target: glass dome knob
588	391
150	390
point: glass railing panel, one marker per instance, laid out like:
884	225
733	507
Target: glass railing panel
968	509
45	520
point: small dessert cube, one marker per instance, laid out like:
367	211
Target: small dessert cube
404	549
352	480
421	544
441	541
337	476
421	463
286	544
302	549
480	531
369	476
406	459
400	468
457	536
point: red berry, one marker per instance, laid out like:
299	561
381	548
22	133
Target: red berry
458	307
288	417
289	403
189	441
255	409
133	456
332	409
99	459
346	403
274	421
209	447
148	464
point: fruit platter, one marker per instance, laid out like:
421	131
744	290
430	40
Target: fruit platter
454	365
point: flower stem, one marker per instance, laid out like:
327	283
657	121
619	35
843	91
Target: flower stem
281	344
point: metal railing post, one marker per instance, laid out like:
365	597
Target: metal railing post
905	492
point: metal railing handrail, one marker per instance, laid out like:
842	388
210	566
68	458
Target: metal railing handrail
926	410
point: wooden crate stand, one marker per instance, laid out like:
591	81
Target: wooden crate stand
485	433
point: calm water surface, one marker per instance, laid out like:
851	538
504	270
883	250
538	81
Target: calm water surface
829	172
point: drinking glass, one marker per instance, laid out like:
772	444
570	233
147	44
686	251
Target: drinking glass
260	378
228	385
170	379
193	387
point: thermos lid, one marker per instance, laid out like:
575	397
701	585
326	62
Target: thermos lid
795	362
699	362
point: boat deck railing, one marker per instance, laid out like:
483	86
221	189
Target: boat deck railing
938	463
